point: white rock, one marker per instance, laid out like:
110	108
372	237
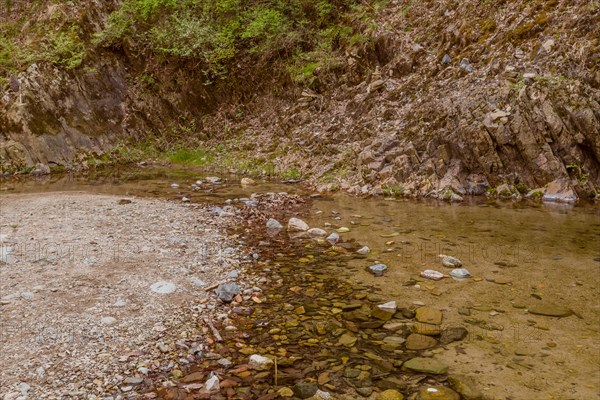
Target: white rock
333	238
390	306
297	225
163	287
259	362
24	387
316	232
120	303
363	250
274	224
321	395
247	182
108	321
212	384
197	281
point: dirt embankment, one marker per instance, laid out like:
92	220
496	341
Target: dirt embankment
448	98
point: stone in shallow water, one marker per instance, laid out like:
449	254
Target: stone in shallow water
426	365
364	391
212	384
460	274
560	191
390	394
297	225
453	334
363	250
347	340
227	291
426	329
394	340
464	387
260	363
304	390
285	392
225	363
163	287
416	341
273	224
333	238
429	315
377	269
451	262
550	310
384	312
437	393
316	232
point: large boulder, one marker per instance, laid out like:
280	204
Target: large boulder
560	191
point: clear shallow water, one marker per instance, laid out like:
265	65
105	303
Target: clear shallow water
520	255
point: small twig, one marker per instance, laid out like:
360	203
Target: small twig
211	287
275	371
214	330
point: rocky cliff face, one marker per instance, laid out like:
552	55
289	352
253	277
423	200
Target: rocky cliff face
460	97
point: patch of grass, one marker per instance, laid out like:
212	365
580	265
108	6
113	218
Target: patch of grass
195	157
536	195
393	190
291	173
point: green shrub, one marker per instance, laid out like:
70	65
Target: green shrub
216	33
66	48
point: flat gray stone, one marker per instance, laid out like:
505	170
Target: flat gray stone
163	287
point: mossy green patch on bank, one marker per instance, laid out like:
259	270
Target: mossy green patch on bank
194	157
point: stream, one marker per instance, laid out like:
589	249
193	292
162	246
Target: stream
525	325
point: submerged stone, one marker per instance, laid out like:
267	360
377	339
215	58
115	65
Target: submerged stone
437	393
260	363
384	312
429	315
416	341
453	334
464	387
390	394
297	225
304	390
560	191
377	269
550	310
273	224
426	365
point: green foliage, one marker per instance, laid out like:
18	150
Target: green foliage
66	48
521	188
576	170
393	190
7	51
216	33
291	173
